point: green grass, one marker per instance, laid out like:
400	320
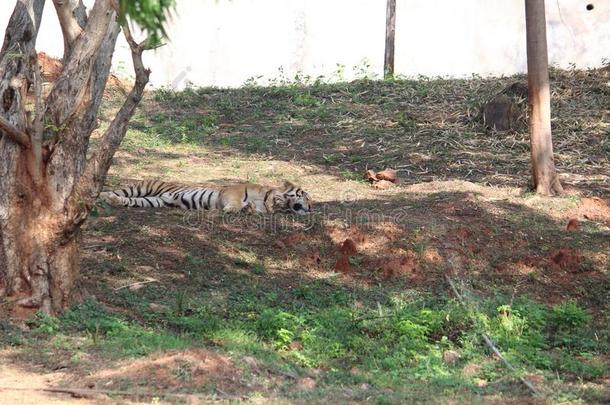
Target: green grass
389	342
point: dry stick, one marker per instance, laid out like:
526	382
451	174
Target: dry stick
490	343
88	393
137	283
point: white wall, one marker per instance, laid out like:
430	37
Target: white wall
226	42
445	37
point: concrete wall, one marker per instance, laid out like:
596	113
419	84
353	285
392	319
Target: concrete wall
226	42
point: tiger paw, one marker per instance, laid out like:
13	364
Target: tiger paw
249	208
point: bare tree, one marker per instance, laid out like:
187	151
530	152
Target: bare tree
49	179
545	177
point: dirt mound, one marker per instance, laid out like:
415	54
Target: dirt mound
349	247
368	239
115	83
593	209
343	265
50	69
401	265
567	259
171	370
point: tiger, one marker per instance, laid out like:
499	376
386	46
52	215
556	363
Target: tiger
247	197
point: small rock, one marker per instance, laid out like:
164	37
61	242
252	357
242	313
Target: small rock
158	307
451	356
500	113
306	383
481	383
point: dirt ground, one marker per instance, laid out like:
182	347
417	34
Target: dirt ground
27	387
461	208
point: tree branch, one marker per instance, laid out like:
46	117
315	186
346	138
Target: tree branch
14	133
90	183
70	89
70	27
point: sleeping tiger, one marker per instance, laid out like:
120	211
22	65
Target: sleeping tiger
236	198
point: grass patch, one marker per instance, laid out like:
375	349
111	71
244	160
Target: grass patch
358	341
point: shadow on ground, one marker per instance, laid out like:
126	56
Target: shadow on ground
428	129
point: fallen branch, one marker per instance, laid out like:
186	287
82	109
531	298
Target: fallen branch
490	343
89	393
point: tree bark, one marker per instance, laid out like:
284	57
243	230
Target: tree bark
71	27
47	187
545	177
16	192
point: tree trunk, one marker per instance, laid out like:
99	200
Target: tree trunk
16	191
390	35
545	177
47	187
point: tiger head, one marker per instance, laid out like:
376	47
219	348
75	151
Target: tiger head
295	199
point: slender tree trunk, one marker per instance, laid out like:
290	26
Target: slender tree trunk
390	34
545	177
47	186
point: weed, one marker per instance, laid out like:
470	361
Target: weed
305	100
44	324
258	269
